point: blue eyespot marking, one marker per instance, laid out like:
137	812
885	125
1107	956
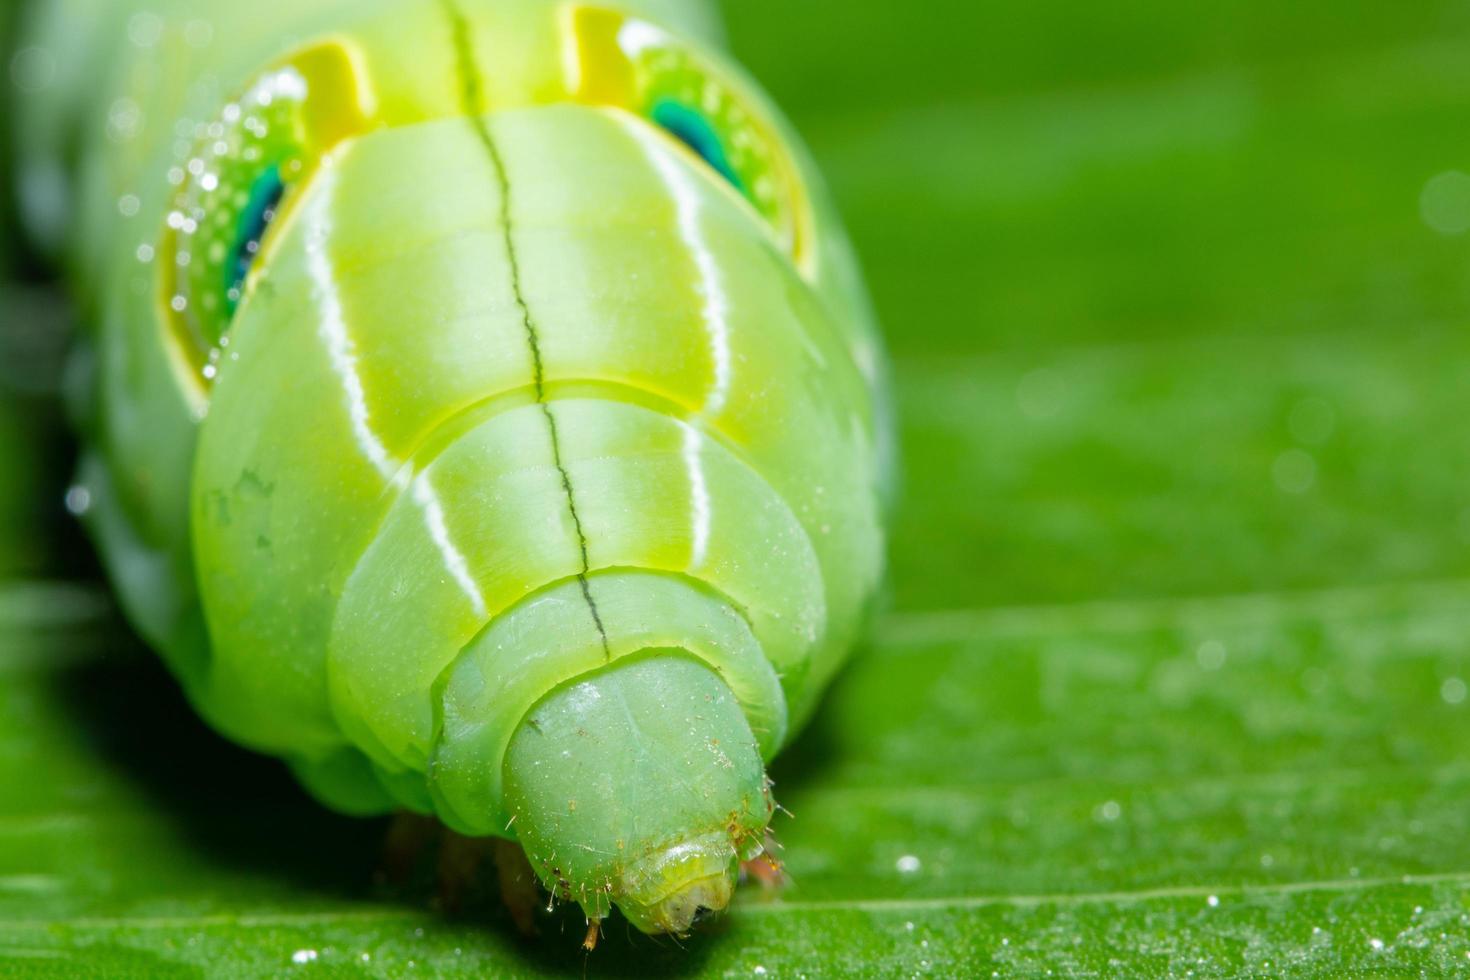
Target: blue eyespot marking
692	129
255	218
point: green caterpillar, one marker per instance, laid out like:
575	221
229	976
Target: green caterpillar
481	408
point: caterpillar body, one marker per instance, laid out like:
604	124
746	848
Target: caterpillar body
480	405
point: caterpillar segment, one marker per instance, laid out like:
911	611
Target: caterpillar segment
481	411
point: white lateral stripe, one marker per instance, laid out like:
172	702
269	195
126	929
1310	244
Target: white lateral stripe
716	305
698	497
333	328
343	355
454	560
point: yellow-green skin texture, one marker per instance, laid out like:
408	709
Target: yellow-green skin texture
524	412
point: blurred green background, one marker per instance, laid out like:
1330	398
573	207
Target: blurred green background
1175	674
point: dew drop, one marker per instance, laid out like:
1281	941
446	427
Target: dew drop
33	69
1210	655
198	33
124	118
1294	471
145	29
78	500
1444	204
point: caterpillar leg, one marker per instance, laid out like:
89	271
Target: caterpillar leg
404	846
519	889
460	861
766	868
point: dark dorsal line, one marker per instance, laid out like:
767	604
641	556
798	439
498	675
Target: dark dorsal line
471	103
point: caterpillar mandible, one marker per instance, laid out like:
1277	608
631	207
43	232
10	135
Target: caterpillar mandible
481	409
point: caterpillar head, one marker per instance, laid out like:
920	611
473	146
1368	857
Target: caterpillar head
602	771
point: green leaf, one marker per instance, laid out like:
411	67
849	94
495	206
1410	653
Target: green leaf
1175	677
1261	782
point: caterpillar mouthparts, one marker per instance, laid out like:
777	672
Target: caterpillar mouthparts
691	895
